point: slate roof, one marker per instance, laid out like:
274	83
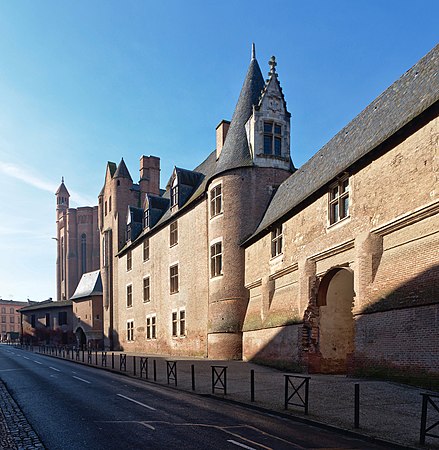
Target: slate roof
47	304
404	100
235	152
122	171
89	284
62	189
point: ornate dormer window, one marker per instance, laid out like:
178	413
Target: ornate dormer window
272	139
174	192
146	218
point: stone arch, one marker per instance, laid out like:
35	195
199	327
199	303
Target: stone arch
335	300
81	338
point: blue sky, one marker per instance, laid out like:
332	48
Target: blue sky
86	82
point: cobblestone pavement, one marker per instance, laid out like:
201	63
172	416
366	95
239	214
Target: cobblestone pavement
15	431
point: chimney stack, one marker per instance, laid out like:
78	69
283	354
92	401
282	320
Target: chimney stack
149	176
221	133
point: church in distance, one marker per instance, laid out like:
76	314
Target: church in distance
332	267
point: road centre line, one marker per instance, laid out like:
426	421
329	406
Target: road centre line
38	362
82	379
54	368
135	401
25	357
240	445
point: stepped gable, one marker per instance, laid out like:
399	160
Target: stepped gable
235	152
407	98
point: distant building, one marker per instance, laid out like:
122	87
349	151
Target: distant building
10	319
47	322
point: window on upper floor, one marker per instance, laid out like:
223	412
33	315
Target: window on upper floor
173	233
3	319
130	330
32	320
129	296
11	311
105	207
173	279
109	204
338	200
146	250
146	218
47	319
62	318
174	192
3	310
216	201
129	260
272	139
147	289
216	260
11	319
276	241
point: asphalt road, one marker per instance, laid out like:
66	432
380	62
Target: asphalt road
76	407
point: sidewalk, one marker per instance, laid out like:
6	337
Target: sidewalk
388	411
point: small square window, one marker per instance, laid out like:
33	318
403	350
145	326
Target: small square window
272	139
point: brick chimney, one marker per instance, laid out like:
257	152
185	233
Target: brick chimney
149	176
221	133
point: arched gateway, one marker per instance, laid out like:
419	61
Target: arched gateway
335	300
81	339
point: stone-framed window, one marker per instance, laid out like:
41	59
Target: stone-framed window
129	260
146	249
146	289
173	233
151	326
272	138
173	279
130	330
129	296
216	260
338	200
276	241
146	218
179	323
216	200
174	192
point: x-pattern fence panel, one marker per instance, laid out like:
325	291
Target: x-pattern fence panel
431	400
296	391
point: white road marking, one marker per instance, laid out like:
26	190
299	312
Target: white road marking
38	362
147	425
240	445
25	357
82	379
54	368
138	403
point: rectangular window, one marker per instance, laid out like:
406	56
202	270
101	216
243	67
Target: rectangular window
216	204
216	260
11	319
129	296
272	139
130	330
173	233
174	324
146	250
146	218
276	241
3	319
151	327
174	192
339	200
129	260
32	320
173	279
182	322
62	318
47	319
146	290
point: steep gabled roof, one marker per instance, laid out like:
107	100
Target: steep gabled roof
235	152
404	100
62	189
89	284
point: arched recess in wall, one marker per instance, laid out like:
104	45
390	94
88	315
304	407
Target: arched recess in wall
335	299
83	253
